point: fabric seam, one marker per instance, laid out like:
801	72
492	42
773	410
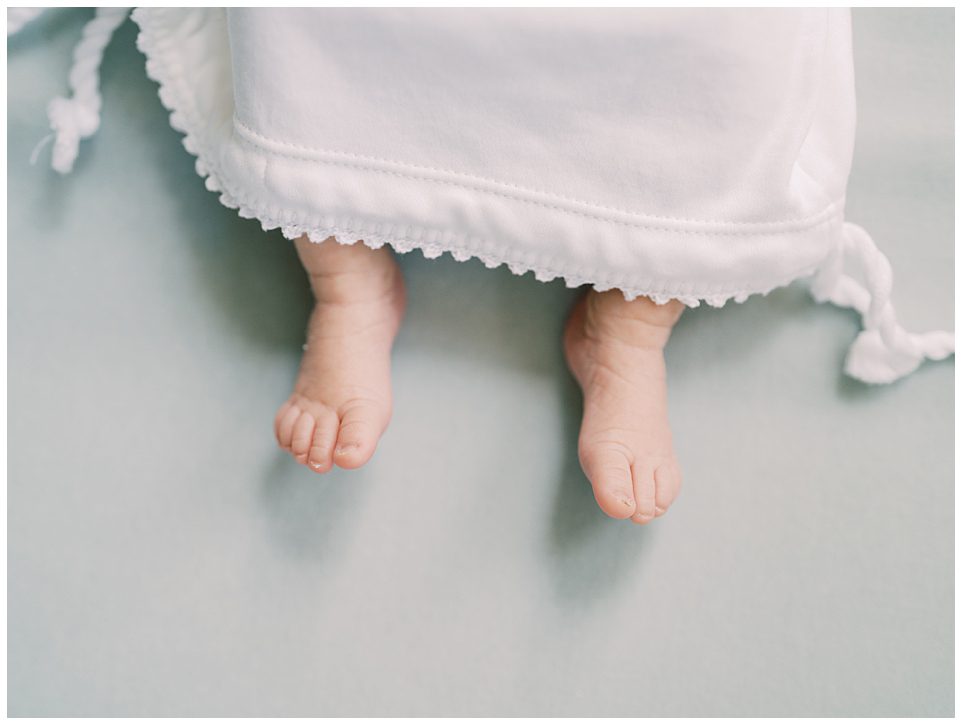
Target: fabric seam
299	152
826	216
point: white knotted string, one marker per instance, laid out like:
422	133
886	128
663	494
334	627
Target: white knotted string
78	117
19	17
883	351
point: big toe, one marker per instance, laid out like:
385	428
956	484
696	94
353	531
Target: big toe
609	471
361	426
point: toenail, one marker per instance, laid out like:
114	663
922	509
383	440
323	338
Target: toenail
316	466
346	448
628	502
659	511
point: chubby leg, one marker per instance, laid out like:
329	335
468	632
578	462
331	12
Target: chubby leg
615	351
341	402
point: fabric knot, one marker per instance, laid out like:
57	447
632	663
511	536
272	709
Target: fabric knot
871	360
68	116
71	121
77	117
883	352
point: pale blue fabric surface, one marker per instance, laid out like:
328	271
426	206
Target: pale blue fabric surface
165	558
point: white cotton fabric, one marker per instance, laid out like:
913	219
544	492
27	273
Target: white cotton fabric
699	155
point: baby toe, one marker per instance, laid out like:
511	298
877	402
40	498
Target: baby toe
667	485
361	426
302	436
320	456
279	416
644	479
285	424
609	471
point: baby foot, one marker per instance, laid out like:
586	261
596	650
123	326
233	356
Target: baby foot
614	349
342	398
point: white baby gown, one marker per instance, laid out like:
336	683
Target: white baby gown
697	154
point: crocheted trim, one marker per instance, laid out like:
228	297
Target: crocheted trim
432	242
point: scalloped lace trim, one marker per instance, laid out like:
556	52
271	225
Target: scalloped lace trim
432	242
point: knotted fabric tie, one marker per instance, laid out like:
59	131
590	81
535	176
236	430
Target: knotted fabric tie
78	117
883	351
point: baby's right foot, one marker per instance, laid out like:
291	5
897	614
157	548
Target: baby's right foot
341	402
614	348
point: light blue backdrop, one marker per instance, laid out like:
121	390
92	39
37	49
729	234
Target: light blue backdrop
165	558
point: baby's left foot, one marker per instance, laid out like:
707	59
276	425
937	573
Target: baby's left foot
614	348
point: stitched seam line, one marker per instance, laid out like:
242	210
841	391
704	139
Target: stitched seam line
824	217
358	161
